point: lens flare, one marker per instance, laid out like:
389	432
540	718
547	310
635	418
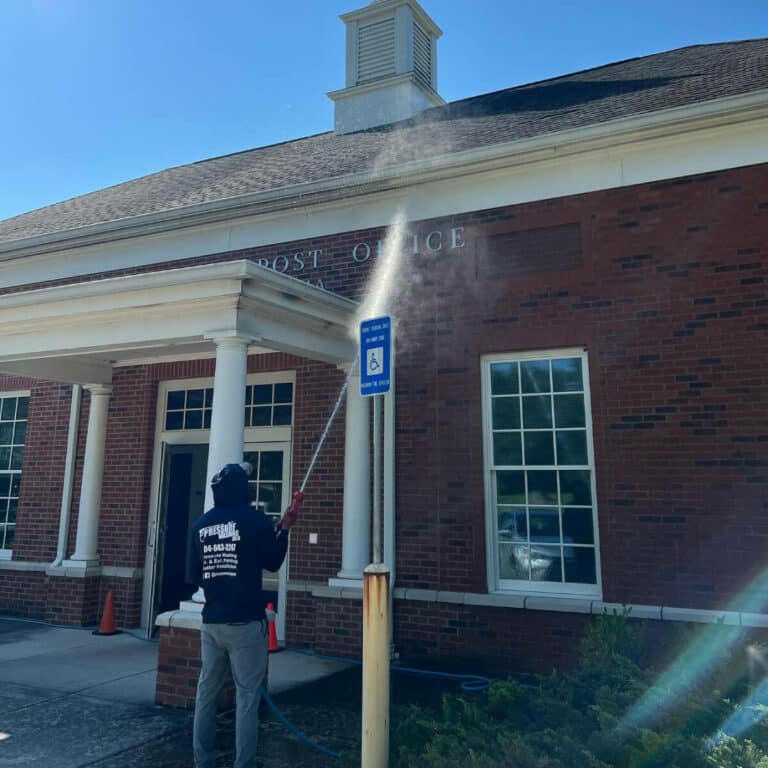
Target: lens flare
750	712
713	645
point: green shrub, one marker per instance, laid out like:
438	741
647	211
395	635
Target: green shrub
581	719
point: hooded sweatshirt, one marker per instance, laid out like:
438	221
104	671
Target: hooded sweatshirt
231	544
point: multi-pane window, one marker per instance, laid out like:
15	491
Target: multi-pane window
188	409
269	405
13	430
266	405
265	484
541	472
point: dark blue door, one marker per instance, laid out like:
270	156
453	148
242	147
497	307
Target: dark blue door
183	489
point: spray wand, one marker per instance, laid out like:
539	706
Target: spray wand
328	426
292	513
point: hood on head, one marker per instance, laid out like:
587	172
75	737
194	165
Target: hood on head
230	486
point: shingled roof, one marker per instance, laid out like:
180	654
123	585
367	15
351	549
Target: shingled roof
637	86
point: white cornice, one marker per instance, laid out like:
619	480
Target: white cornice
656	126
282	287
376	85
73	332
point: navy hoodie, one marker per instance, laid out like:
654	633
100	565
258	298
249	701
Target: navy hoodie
231	544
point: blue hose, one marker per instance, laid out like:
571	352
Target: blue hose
469	684
19	620
293	729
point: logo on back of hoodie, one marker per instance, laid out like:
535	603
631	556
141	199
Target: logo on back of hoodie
220	556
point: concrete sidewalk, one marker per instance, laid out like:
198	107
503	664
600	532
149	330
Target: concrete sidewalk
70	699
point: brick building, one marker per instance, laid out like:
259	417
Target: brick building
578	420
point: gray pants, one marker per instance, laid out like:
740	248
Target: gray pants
243	648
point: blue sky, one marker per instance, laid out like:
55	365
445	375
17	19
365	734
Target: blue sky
101	91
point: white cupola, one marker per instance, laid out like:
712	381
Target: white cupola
391	65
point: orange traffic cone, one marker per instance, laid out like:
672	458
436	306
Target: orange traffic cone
107	625
273	646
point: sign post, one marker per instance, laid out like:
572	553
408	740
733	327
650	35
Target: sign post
375	382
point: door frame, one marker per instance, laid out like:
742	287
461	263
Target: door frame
251	436
170	450
282	574
152	553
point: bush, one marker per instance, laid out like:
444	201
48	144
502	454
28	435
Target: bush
587	719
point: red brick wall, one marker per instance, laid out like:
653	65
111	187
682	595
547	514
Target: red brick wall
126	594
178	667
22	593
42	474
317	388
478	638
671	306
73	602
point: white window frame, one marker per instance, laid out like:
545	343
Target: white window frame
7	554
252	434
495	584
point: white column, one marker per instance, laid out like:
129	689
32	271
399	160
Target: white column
93	474
356	529
225	445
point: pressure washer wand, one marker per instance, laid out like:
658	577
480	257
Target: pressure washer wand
292	513
335	410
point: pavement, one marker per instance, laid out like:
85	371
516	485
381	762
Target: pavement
71	699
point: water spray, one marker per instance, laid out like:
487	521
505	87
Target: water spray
376	300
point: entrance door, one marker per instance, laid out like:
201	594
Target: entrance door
182	496
181	504
270	486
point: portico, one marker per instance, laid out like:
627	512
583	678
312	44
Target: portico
82	333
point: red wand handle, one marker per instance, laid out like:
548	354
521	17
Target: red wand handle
298	499
292	513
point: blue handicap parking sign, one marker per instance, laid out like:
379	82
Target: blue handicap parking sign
375	356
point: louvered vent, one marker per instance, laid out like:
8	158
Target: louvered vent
422	56
376	51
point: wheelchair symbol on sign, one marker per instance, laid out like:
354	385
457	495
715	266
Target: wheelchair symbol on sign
374	361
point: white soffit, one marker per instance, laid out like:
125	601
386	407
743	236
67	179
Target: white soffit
86	327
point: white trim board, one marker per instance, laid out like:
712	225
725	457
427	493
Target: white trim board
532	602
114	571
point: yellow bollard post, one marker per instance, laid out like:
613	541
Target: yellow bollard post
375	730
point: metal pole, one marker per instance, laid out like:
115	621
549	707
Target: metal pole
375	735
377	547
376	620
